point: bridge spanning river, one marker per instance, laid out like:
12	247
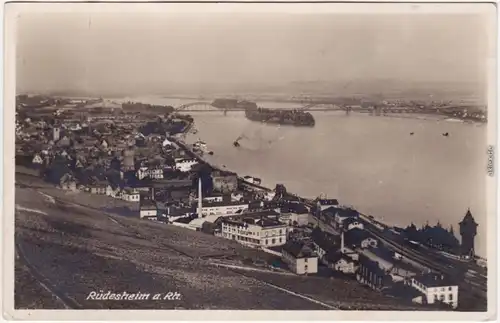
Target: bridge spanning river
204	106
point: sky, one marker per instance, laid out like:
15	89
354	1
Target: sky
143	52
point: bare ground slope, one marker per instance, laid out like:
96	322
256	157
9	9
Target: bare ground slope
73	250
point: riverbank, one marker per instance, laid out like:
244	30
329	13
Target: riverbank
254	161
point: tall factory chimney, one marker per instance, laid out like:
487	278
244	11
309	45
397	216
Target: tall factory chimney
200	198
342	242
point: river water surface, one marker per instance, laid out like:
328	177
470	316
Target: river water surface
372	163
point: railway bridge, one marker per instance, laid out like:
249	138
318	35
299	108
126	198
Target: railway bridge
376	110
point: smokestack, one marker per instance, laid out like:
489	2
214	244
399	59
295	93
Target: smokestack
342	242
200	198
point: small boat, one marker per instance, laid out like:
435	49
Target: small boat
211	153
412	133
200	145
445	134
236	144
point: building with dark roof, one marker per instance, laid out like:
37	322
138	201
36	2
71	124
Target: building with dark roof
148	209
222	208
328	214
371	274
436	288
340	262
323	204
342	214
324	242
357	238
299	257
352	223
294	213
261	229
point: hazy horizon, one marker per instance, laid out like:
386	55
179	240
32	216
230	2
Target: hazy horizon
138	53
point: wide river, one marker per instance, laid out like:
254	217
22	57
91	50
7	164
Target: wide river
372	163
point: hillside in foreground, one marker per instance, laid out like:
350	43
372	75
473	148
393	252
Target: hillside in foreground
74	250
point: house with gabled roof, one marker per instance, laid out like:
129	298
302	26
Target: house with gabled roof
100	187
324	204
299	257
343	214
79	164
113	190
37	160
324	242
148	209
340	262
352	223
357	238
130	195
328	214
67	182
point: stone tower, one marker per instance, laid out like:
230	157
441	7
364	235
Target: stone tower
468	231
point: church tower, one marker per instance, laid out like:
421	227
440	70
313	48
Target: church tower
56	133
468	231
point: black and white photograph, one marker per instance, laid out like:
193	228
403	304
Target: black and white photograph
251	156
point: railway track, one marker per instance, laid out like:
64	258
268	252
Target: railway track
469	285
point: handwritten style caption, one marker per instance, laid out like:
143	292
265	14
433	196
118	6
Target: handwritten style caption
126	296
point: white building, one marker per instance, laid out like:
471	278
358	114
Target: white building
342	214
352	223
340	262
252	180
324	204
236	196
216	206
130	195
214	198
255	229
196	224
166	142
222	208
291	218
185	165
153	173
436	288
148	210
37	159
268	196
357	238
113	192
300	258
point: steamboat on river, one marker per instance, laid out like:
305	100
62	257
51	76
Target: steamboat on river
274	116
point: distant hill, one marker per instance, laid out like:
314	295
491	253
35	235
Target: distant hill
369	89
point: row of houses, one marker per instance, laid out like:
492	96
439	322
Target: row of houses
355	253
